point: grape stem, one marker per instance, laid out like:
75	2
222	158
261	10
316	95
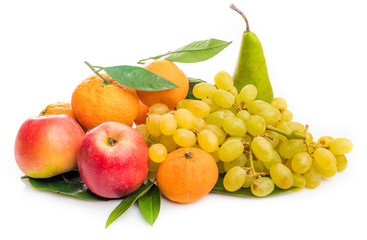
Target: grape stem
293	135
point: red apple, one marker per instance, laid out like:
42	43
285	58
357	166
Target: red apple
113	160
47	146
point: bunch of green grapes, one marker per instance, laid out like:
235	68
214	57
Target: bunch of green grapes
256	144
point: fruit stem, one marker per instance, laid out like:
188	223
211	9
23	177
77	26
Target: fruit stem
293	135
188	155
233	7
105	81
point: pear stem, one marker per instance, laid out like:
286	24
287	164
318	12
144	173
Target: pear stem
233	7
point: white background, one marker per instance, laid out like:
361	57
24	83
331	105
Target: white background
316	56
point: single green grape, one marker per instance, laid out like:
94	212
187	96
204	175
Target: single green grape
199	124
279	103
324	159
168	142
299	180
271	115
234	91
152	123
257	106
203	90
143	130
243	115
288	149
183	103
234	179
184	118
262	149
221	135
157	153
286	116
281	176
213	106
208	141
272	137
167	124
240	161
247	95
198	108
301	162
325	172
223	81
312	177
184	137
324	141
230	150
340	146
234	126
223	98
262	187
276	159
255	125
158	108
216	118
297	126
341	162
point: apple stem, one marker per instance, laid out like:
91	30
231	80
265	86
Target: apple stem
112	141
233	7
188	155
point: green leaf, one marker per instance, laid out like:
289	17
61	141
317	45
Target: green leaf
139	78
197	51
68	183
150	204
128	202
192	83
244	192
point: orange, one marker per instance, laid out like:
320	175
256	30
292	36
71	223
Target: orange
171	72
187	175
95	102
57	109
142	114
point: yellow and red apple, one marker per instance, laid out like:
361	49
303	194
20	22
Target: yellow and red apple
46	146
113	160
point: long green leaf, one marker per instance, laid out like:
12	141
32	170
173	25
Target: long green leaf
68	183
139	78
197	51
150	204
192	83
243	192
128	202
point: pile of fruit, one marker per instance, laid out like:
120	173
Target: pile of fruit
136	132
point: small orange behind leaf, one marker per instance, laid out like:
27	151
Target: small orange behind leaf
57	109
187	175
142	114
171	72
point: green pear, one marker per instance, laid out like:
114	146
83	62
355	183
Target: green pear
251	66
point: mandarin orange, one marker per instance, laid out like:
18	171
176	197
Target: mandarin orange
142	114
57	109
171	72
95	102
187	175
